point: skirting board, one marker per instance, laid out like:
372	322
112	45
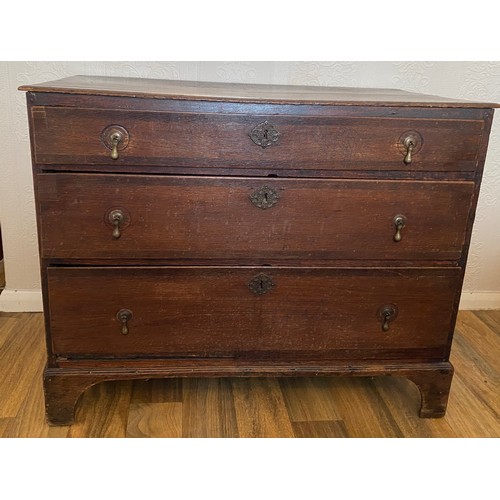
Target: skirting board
479	300
31	300
21	300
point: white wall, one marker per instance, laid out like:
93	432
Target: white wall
469	80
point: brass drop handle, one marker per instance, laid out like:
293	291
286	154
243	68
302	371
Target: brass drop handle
116	138
399	222
385	323
124	316
386	314
409	144
116	218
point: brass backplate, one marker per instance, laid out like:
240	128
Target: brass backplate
265	197
261	284
264	134
107	133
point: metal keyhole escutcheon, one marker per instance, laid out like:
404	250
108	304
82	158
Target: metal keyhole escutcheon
261	284
264	134
265	197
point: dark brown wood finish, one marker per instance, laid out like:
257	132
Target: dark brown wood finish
64	386
244	92
326	246
207	217
210	312
108	102
74	136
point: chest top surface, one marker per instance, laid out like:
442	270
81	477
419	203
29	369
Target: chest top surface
245	92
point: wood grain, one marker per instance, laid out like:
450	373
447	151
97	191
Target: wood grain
27	423
242	92
69	136
320	429
7	321
260	408
462	401
365	413
230	319
157	391
18	376
202	320
4	424
308	399
490	318
305	407
104	411
401	398
169	217
208	409
159	420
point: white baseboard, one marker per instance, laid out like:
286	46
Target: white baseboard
31	300
480	300
21	300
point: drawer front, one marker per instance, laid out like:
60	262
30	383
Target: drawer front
79	136
233	218
210	311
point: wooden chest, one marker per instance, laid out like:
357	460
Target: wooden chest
203	229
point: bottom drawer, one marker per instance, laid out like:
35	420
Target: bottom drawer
251	311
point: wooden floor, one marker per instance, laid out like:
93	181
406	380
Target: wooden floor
239	407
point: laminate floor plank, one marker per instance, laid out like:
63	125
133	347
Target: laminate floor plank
482	378
323	407
30	420
103	411
462	404
479	335
208	408
7	321
364	412
4	425
168	390
59	431
490	318
20	358
402	397
260	408
155	420
320	429
309	399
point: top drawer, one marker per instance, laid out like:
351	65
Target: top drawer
82	136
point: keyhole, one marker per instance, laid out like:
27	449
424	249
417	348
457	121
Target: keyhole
265	133
266	195
261	284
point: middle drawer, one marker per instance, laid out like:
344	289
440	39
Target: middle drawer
87	216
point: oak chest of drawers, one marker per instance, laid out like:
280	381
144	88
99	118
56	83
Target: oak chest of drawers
197	229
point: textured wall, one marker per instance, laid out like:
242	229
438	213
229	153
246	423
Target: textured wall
470	80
